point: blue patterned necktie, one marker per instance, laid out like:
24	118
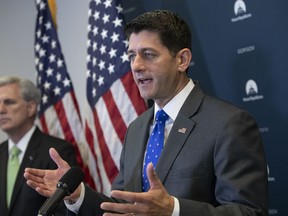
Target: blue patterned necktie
12	171
154	146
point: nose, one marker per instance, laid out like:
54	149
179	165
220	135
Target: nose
2	107
137	65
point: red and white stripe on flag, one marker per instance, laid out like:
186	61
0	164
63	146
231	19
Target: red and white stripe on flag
105	128
63	120
113	98
58	111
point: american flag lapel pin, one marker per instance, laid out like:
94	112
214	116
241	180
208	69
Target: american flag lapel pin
182	130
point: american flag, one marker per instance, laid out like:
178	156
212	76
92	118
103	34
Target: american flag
113	97
59	113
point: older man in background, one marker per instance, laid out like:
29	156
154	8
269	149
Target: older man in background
26	146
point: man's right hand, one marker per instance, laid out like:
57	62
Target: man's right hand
45	181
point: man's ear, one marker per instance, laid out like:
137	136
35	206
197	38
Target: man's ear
185	57
32	108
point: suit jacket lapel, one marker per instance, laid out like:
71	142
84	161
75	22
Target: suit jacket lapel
3	174
182	128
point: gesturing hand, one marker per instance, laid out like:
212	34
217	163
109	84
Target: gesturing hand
45	181
156	201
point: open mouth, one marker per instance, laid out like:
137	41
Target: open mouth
144	81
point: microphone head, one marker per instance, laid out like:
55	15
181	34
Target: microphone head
71	180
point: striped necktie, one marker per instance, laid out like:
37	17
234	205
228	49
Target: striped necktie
12	170
154	146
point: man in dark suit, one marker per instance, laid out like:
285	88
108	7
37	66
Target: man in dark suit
213	161
19	99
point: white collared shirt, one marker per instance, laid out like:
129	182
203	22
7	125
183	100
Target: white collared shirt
173	107
23	143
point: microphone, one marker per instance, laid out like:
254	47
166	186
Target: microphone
66	186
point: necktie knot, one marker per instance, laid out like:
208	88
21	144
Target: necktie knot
161	117
14	152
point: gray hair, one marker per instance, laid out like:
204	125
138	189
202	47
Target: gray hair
28	90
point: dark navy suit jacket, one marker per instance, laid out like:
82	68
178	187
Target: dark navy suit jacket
25	200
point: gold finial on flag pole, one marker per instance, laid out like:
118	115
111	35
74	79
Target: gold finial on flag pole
53	11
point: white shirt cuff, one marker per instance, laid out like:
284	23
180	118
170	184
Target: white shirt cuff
76	206
176	210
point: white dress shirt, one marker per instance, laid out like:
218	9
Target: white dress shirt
23	143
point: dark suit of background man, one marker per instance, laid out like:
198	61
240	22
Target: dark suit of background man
213	161
19	99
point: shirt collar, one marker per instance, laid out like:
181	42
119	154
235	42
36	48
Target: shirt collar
173	107
23	142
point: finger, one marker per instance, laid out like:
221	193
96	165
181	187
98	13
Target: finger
32	184
57	159
118	207
33	173
137	201
125	195
115	214
46	193
153	178
40	188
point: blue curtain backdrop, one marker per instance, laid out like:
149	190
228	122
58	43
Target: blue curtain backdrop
240	54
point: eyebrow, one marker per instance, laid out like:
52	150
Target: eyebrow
142	50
